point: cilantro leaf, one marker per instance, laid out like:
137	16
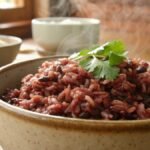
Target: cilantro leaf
105	71
100	69
115	46
115	59
102	60
90	64
85	63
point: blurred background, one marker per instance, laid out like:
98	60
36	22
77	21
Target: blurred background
128	20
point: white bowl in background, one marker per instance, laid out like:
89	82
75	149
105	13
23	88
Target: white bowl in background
64	35
9	48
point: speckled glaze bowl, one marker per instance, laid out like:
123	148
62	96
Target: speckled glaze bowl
25	130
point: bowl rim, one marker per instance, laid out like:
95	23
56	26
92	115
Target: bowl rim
84	21
15	40
66	122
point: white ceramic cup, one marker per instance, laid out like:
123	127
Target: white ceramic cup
64	35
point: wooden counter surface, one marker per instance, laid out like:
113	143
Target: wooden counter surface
29	51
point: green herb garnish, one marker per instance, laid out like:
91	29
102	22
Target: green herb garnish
103	60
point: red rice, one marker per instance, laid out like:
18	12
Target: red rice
63	88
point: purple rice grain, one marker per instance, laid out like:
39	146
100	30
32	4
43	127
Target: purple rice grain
63	88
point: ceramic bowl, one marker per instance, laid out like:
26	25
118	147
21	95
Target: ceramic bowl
9	48
63	35
25	130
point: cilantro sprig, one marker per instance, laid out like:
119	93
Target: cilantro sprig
102	61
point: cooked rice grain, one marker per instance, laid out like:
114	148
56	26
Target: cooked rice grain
63	88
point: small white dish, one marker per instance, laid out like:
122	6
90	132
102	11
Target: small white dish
9	48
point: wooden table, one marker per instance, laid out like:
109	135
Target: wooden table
29	51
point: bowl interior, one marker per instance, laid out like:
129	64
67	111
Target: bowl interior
6	40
